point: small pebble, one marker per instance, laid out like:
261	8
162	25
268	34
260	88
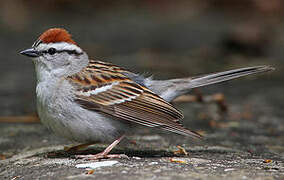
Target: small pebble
229	169
137	158
95	165
153	163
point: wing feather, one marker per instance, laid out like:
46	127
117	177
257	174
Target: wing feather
105	88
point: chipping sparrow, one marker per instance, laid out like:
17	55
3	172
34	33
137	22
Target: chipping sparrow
90	101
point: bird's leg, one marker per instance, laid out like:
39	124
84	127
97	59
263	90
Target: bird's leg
105	153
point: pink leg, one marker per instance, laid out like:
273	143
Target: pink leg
104	154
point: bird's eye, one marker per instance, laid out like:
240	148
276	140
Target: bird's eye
51	51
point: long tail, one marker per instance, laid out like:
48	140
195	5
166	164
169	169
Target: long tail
227	75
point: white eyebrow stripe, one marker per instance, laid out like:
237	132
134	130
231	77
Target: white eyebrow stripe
61	46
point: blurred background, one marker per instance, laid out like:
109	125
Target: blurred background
164	38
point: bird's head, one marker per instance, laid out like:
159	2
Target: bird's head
55	51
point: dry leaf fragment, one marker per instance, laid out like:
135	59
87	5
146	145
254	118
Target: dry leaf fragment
267	161
180	151
90	171
174	160
16	177
2	157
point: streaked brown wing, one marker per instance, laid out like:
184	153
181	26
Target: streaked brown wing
109	91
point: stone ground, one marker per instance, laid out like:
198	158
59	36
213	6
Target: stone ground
245	143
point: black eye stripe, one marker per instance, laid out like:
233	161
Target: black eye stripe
62	51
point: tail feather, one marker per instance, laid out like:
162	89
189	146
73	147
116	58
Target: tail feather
227	75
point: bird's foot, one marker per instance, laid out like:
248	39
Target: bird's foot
101	156
105	154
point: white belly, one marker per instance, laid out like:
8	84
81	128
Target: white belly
66	118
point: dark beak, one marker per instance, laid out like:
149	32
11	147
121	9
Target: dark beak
30	53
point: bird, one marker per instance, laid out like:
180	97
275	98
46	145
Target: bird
90	101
